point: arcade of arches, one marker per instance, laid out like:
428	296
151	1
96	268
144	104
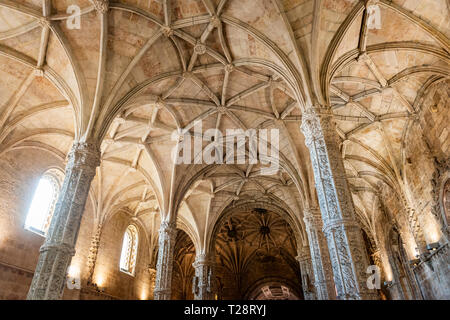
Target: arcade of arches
95	95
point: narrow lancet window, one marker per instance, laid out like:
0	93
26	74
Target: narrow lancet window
44	200
129	250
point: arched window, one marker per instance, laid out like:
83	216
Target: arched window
129	250
44	200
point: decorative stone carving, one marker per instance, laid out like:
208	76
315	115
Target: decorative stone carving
229	68
345	244
215	21
101	6
306	269
152	277
415	228
203	285
441	195
152	272
167	31
319	255
39	72
93	251
167	238
200	48
44	22
221	109
59	247
187	75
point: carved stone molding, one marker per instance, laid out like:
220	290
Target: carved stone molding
164	266
59	247
345	244
203	285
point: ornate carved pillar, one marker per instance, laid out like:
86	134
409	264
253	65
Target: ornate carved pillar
304	259
320	258
93	250
152	272
345	243
164	266
59	247
203	284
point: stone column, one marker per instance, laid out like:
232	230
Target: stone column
320	258
203	285
164	266
304	259
345	244
59	247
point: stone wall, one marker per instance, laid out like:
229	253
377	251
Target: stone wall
107	274
433	275
426	141
20	172
435	117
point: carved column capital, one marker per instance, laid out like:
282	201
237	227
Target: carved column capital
169	229
306	270
84	155
312	218
304	254
314	121
203	259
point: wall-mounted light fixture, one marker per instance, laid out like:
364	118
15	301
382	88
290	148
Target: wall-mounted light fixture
73	280
99	288
96	287
414	262
433	246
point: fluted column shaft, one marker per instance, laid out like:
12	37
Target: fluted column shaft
345	244
164	266
203	284
320	258
306	269
59	247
